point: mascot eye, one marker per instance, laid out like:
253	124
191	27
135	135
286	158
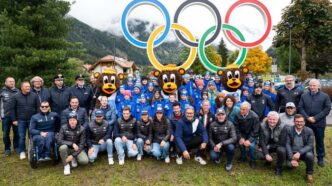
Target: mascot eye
105	79
113	79
173	78
237	74
229	75
165	78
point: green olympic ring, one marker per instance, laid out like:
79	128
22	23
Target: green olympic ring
201	50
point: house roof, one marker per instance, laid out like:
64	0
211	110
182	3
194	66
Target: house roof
118	60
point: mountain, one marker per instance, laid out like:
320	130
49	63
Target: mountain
101	43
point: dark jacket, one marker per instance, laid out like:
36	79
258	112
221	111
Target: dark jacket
43	95
125	128
184	132
82	116
144	130
210	119
284	96
259	103
6	95
84	96
59	99
278	137
161	131
96	132
248	127
308	141
68	136
48	122
174	123
22	107
318	106
223	133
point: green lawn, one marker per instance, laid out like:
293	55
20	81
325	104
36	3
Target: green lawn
151	172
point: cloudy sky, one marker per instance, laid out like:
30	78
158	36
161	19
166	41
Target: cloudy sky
106	15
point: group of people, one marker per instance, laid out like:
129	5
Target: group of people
203	121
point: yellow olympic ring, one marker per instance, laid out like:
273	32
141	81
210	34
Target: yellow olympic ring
193	51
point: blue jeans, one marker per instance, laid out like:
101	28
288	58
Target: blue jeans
252	151
7	123
319	139
120	147
43	144
23	127
230	149
140	146
108	145
160	152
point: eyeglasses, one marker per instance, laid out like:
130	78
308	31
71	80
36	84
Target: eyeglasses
44	106
190	113
290	108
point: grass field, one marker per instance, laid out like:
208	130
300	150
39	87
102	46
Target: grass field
152	172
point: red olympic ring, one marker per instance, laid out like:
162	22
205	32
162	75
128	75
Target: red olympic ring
257	4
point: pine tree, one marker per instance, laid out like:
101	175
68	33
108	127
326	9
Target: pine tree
223	51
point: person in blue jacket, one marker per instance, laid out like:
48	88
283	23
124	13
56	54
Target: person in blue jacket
251	84
136	93
108	111
269	91
129	85
185	100
143	104
168	106
127	103
188	85
43	126
156	100
119	97
150	91
144	83
198	94
217	80
190	134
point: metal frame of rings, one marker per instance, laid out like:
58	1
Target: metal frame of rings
238	40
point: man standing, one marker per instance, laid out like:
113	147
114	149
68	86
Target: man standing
83	93
23	105
6	94
74	106
288	93
59	95
37	87
315	106
287	117
205	115
190	134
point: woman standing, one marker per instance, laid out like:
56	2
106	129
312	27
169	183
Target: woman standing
230	108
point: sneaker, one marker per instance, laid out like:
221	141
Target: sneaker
179	160
22	155
47	158
7	152
167	160
310	179
110	161
41	159
66	170
200	160
121	162
139	157
217	161
229	167
253	164
74	163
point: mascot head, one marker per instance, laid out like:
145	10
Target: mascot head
108	81
170	78
233	77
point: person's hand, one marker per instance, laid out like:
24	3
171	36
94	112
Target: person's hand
311	119
162	144
69	158
186	155
76	147
90	151
44	134
296	156
134	146
203	146
15	123
294	163
147	142
101	141
241	142
268	158
172	138
124	139
247	143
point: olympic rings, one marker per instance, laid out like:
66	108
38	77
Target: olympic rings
193	51
190	40
133	5
211	7
205	61
263	10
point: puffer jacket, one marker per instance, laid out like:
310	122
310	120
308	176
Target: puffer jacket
96	132
68	136
161	131
144	130
125	128
277	135
222	132
247	127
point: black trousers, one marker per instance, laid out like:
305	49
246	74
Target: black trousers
194	144
281	155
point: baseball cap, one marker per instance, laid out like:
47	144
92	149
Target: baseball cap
290	104
99	113
220	111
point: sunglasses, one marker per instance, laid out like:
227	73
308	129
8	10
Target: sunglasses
44	106
290	108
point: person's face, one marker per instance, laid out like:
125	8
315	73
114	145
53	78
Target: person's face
189	114
145	117
172	98
127	97
10	83
72	123
103	101
25	88
126	114
290	110
144	82
217	79
186	80
200	87
177	110
99	119
289	82
251	83
212	87
37	84
207	77
229	103
58	83
272	121
314	86
221	117
258	90
143	100
93	80
44	107
206	107
248	76
130	83
205	96
74	103
159	115
244	110
150	88
267	88
137	90
299	123
221	99
80	82
245	93
157	95
183	97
